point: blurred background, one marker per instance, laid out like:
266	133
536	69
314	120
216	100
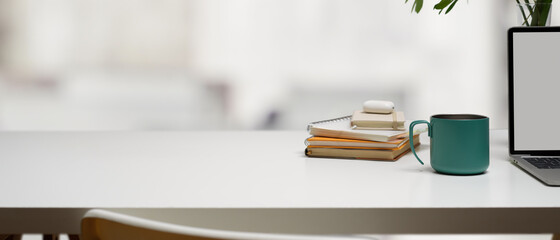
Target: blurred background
245	64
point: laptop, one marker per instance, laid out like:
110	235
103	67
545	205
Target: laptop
534	101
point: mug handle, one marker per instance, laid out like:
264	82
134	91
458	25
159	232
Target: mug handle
411	135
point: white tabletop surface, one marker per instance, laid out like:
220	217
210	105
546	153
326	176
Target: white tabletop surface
243	170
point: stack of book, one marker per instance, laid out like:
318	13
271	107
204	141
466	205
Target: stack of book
340	138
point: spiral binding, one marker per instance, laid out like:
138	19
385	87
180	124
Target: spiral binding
338	119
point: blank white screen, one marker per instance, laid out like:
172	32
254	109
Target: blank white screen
536	85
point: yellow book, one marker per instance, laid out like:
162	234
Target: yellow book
367	153
343	142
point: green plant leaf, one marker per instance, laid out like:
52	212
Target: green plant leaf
419	4
451	6
442	5
416	6
525	18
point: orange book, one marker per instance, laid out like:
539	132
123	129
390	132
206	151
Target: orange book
343	142
367	153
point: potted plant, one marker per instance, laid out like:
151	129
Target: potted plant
536	13
531	13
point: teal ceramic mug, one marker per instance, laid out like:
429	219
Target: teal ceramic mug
459	143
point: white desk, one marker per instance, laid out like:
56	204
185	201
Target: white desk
257	181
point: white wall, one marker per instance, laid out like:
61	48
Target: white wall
246	64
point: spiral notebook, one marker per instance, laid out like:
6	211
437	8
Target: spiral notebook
342	128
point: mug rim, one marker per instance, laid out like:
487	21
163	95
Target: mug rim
459	116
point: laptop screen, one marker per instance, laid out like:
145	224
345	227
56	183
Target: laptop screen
534	89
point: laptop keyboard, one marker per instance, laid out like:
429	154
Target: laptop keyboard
544	162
